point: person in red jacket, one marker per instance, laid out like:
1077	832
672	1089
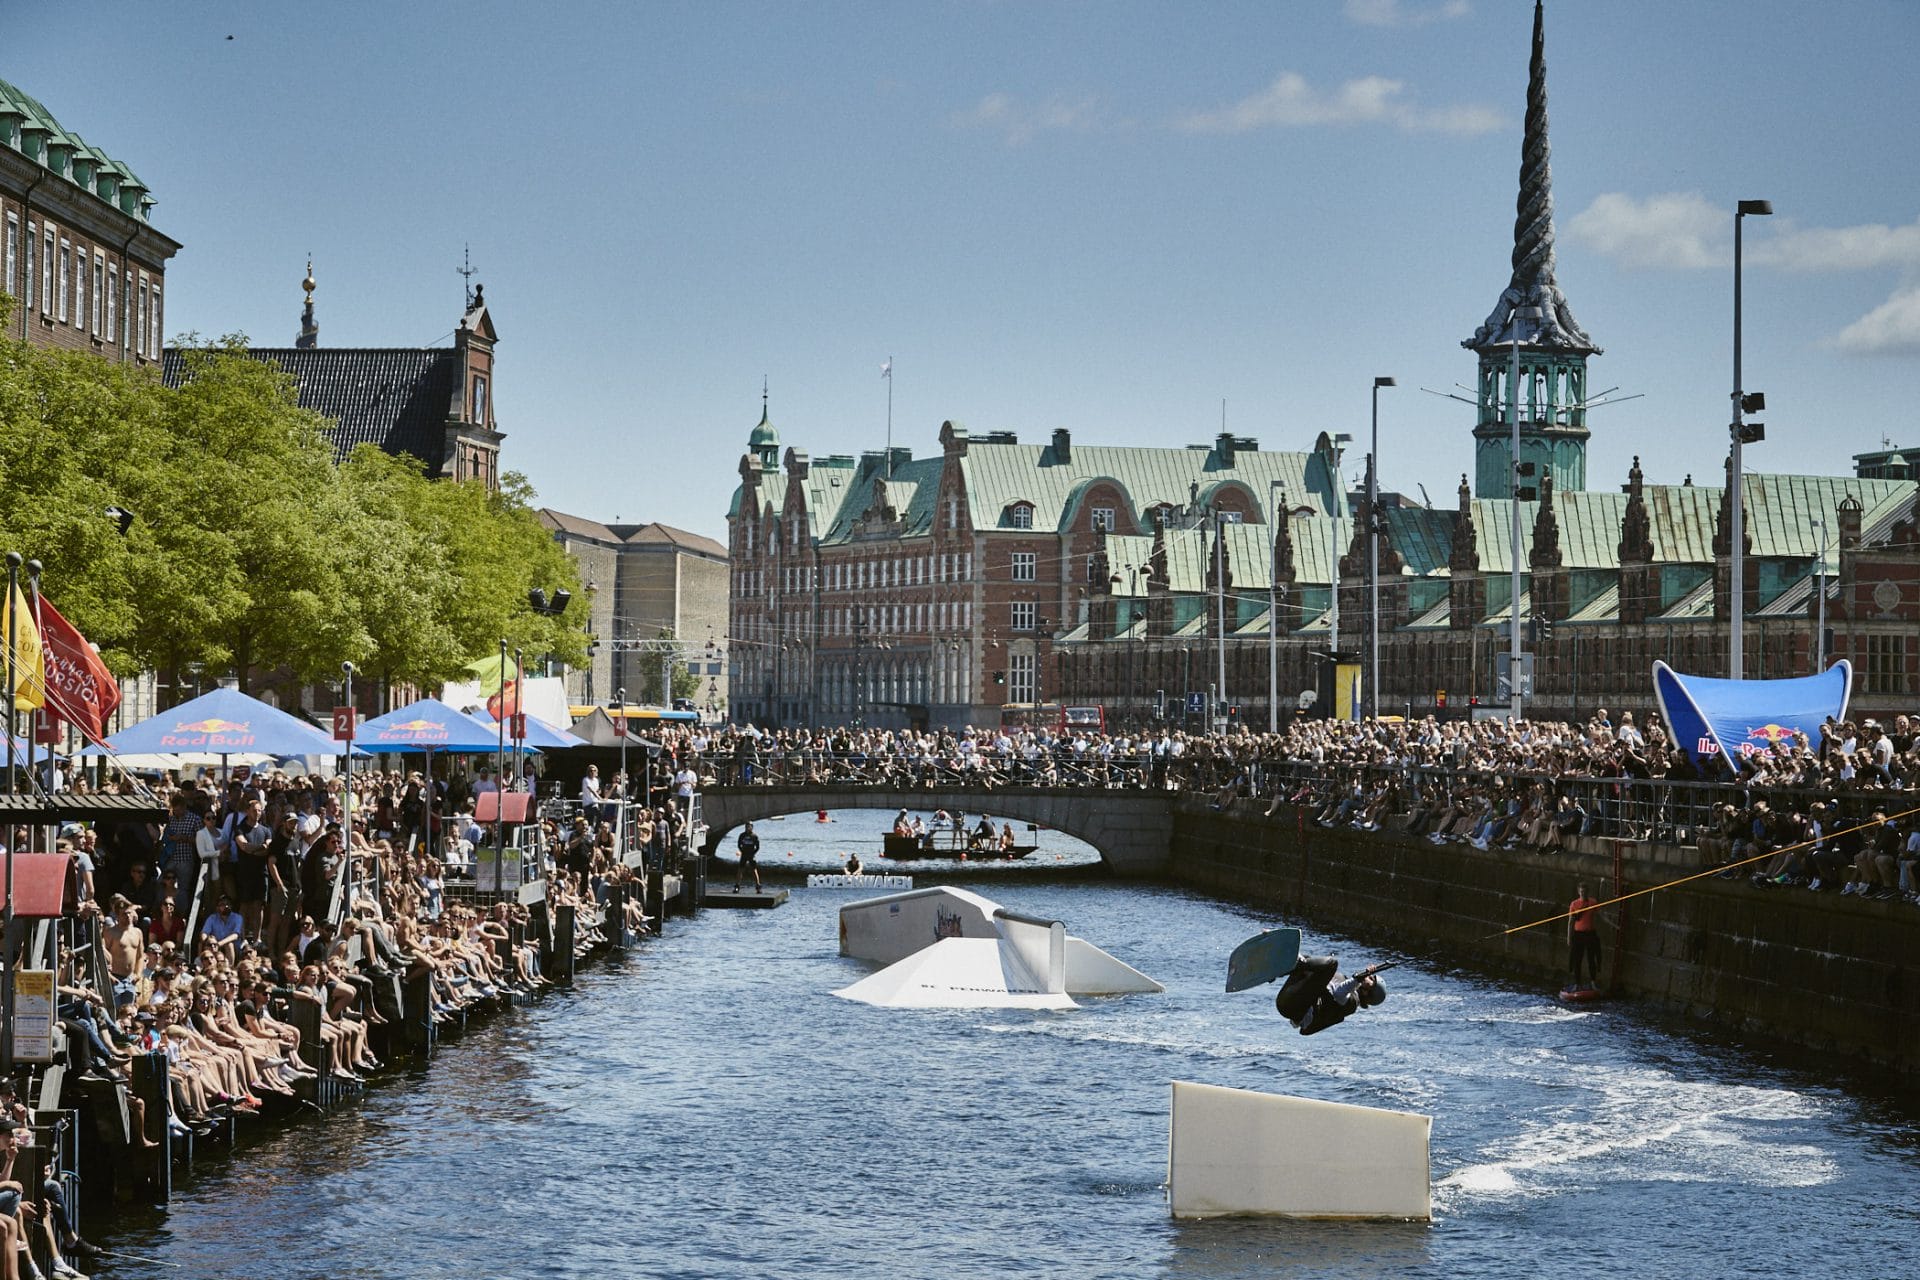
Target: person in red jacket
1583	938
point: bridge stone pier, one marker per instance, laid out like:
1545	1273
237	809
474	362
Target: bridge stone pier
1133	830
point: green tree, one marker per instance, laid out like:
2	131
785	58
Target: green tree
75	433
245	504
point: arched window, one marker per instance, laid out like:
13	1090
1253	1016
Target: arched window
1020	515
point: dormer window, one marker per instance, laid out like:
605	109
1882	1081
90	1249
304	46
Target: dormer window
1020	515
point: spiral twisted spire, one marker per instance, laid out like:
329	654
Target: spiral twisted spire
1532	308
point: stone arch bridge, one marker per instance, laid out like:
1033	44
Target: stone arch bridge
1133	830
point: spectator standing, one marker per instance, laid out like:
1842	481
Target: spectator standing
1583	938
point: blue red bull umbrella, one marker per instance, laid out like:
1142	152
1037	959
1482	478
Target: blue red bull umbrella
428	725
223	722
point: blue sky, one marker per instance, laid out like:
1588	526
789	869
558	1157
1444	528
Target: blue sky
1102	216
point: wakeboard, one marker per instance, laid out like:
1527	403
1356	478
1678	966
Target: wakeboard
1582	995
1264	957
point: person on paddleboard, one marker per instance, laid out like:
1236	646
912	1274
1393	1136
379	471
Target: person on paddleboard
1315	996
1583	941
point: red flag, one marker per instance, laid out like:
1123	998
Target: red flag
79	686
506	702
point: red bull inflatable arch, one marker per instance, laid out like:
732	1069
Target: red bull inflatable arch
1720	720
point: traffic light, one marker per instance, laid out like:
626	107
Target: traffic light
1233	711
999	677
1440	699
1473	700
1546	631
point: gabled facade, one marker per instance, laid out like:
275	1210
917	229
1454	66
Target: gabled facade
433	403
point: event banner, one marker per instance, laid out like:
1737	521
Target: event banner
79	685
1729	718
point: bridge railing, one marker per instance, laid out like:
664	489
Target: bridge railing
829	769
1619	806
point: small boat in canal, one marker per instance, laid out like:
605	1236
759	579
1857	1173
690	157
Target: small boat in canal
954	840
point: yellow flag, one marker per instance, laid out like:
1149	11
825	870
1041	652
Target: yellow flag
29	663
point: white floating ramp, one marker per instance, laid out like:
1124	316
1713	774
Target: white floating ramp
1017	961
958	973
1235	1151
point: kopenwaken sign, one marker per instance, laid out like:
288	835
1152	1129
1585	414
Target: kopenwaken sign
1728	718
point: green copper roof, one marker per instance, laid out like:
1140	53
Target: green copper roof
13	102
764	436
909	491
1000	475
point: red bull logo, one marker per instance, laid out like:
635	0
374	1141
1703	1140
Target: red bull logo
213	733
1771	732
212	724
414	729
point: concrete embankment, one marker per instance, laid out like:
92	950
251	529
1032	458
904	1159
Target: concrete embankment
1818	970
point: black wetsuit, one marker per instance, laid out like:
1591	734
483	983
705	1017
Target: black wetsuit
1305	1001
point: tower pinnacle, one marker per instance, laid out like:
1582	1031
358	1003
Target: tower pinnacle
1532	309
309	336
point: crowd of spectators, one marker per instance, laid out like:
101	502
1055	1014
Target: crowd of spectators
1793	810
260	934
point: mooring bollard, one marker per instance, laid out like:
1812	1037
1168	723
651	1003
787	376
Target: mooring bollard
153	1166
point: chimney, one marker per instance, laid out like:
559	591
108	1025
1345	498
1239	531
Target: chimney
1062	447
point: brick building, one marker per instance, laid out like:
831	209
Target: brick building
1610	580
642	580
891	589
80	256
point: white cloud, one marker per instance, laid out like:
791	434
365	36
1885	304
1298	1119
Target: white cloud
1290	102
1892	328
1677	231
1397	13
1685	231
1861	248
1018	123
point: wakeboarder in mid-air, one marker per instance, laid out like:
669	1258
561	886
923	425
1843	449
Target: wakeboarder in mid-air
1315	996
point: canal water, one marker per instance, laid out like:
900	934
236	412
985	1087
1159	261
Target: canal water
704	1106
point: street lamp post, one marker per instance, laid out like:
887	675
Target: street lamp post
1339	501
1220	586
1820	596
1742	434
1373	551
1513	521
1276	511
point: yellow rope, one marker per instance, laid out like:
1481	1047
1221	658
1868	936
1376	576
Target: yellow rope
1701	875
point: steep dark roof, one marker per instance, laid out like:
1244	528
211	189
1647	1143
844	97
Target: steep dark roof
397	398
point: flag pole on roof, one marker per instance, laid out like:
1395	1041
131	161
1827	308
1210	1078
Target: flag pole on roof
886	372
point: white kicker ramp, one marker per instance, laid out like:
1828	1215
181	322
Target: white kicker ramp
1234	1151
887	930
957	973
1031	959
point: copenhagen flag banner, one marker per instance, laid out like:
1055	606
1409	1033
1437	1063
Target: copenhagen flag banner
79	686
1729	718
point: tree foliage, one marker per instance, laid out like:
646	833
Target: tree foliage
251	550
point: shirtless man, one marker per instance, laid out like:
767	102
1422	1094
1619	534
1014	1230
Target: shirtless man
126	941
